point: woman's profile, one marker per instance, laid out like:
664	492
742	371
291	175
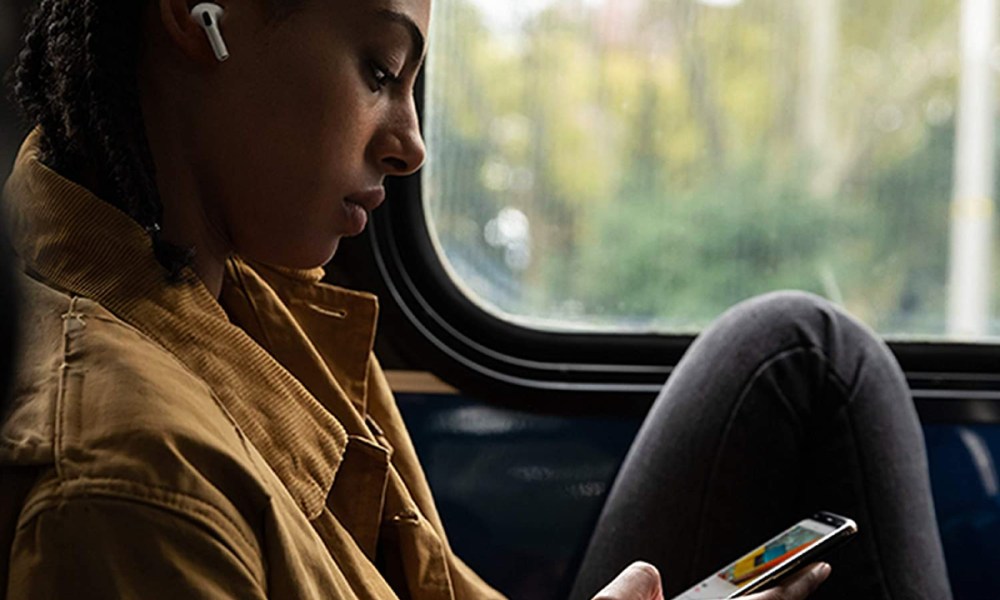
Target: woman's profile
196	413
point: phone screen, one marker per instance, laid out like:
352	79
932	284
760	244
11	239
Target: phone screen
744	570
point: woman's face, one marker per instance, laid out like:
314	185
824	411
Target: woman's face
298	129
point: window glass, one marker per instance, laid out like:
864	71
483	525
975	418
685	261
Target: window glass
644	164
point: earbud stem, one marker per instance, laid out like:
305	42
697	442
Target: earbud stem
218	44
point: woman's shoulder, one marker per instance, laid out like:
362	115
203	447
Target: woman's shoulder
100	401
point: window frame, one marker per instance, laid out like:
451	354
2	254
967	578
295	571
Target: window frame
431	324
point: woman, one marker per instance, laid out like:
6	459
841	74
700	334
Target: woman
196	415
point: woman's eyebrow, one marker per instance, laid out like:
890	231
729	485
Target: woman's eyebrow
416	36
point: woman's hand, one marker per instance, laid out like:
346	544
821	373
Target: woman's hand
641	581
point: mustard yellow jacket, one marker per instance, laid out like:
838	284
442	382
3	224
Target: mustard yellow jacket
163	443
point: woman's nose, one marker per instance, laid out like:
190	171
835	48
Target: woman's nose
403	151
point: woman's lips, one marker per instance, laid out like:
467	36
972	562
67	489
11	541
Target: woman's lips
369	199
358	205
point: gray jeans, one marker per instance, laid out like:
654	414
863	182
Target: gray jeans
783	407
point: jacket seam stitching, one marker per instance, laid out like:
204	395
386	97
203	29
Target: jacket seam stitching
64	368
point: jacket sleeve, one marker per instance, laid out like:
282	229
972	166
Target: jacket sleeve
106	547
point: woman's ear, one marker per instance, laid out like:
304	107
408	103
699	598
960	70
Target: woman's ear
187	35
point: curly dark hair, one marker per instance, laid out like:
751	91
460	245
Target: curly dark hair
76	78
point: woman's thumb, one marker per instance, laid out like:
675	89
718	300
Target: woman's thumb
640	581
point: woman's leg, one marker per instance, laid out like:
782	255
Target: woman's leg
783	407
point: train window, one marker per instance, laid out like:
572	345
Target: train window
641	165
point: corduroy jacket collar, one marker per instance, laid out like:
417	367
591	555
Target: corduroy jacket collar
74	241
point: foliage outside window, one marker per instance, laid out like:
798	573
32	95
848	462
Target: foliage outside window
645	164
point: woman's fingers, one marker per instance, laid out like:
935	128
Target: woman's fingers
640	581
798	587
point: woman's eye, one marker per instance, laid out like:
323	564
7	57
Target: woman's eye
381	77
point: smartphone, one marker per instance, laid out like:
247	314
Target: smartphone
783	555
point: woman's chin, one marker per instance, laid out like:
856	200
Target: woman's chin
302	256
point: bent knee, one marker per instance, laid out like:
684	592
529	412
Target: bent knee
782	319
784	304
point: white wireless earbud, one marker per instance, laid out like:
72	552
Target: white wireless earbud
208	14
